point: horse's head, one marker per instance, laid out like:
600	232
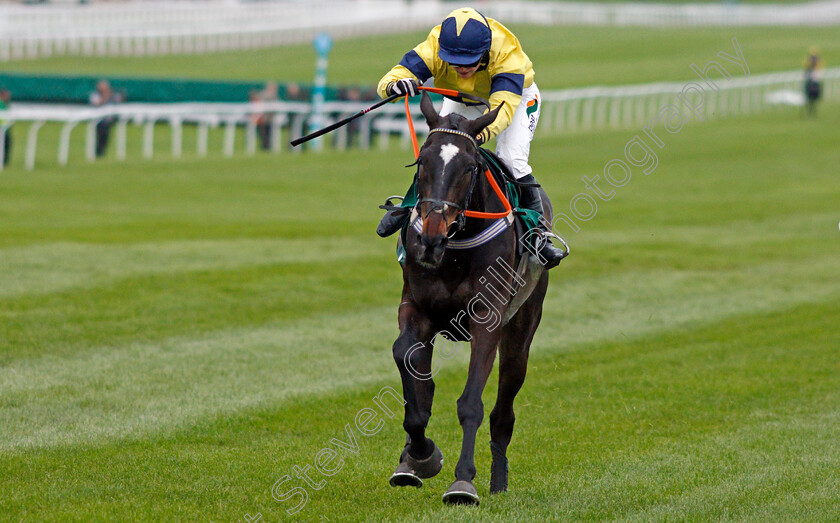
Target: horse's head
448	167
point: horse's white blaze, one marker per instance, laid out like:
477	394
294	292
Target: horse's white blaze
447	152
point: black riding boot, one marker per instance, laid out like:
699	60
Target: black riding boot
391	222
529	198
396	215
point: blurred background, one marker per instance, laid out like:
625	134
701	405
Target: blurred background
199	64
190	307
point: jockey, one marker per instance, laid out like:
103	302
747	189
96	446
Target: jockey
477	55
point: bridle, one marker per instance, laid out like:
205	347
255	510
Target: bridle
442	206
459	133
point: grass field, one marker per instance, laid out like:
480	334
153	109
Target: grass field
176	336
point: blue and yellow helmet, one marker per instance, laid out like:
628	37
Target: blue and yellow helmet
464	37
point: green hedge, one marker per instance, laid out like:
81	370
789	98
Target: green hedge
76	89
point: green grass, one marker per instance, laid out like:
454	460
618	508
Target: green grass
176	336
563	56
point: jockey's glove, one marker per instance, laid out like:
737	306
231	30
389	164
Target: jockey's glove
404	86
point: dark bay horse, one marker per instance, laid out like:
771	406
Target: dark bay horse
481	294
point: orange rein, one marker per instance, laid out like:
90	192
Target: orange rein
490	178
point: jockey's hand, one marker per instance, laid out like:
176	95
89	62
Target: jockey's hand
481	137
404	86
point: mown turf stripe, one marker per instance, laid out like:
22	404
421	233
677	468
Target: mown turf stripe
149	308
142	388
785	465
55	267
139	389
731	419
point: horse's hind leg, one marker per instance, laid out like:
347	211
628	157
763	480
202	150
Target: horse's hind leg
412	350
513	364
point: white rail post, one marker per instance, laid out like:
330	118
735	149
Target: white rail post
365	130
296	129
175	124
201	138
572	115
230	137
615	111
640	116
586	114
90	140
32	144
341	135
121	138
149	138
277	122
64	142
601	112
251	137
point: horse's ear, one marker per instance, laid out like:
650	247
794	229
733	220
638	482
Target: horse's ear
428	110
476	126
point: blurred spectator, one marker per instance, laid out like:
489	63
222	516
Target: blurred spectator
351	94
269	92
5	103
813	79
104	95
258	117
359	95
294	93
264	119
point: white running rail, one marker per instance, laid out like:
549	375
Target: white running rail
567	111
622	107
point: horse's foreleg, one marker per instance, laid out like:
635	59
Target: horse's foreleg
471	414
513	364
413	355
512	368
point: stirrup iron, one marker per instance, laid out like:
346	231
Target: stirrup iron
549	234
389	206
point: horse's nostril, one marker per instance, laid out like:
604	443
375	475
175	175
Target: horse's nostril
432	242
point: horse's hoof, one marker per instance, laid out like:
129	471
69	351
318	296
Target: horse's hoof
411	472
461	492
404	476
498	470
429	467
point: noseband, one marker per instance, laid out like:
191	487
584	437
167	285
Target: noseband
441	206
